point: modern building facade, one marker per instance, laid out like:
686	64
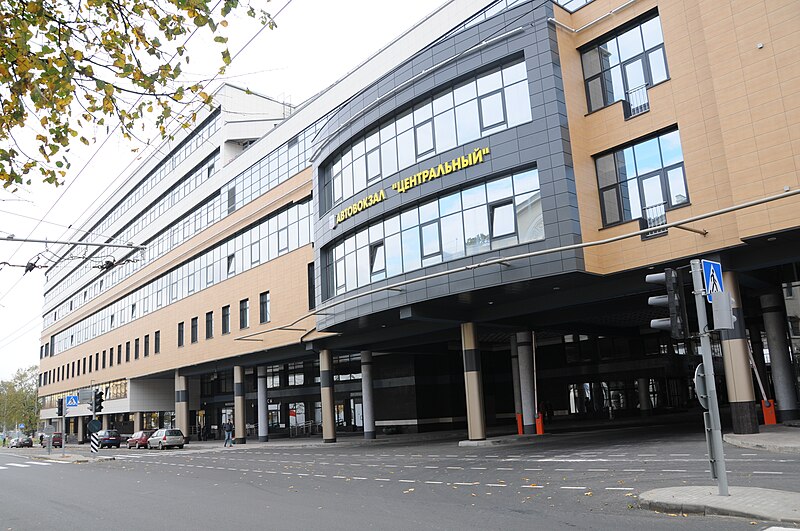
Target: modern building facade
456	233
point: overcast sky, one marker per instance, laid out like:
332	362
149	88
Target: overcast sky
316	42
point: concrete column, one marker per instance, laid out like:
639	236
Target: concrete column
80	429
104	419
515	383
736	358
476	424
366	394
239	417
645	405
326	393
263	410
137	421
772	308
181	405
757	346
527	398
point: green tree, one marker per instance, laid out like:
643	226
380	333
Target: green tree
19	401
67	66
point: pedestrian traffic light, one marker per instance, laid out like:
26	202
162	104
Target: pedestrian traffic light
98	402
60	408
676	322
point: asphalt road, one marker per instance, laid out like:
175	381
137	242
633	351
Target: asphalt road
569	481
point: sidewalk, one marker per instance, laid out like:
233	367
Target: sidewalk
745	502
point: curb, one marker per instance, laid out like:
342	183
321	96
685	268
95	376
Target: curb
735	440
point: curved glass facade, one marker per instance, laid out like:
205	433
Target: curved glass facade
491	215
473	109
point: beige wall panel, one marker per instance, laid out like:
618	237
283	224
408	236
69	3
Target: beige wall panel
733	103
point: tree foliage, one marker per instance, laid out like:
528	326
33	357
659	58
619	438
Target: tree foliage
68	66
19	403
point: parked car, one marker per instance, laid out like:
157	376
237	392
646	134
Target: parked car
166	437
57	440
139	439
22	442
109	438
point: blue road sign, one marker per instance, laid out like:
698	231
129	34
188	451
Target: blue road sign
71	401
22	426
712	277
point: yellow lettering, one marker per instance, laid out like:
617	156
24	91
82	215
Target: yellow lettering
448	168
477	156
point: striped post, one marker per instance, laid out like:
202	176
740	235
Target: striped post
95	443
476	424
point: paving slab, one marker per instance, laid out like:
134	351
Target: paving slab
744	502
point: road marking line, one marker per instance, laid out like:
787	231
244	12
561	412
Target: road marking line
633	470
17	465
3	468
299	474
617	455
532	469
407	480
597	470
679	455
763	472
749	454
431	467
532	486
320	476
479	468
673	470
382	479
433	482
619	488
356	477
37	463
286	474
488	456
504	468
390	466
495	485
339	477
573	488
467	484
645	455
565	469
409	466
455	468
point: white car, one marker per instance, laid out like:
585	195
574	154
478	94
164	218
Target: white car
164	438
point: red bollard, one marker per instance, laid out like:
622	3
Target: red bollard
539	424
768	407
520	431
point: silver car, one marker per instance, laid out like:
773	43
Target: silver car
166	437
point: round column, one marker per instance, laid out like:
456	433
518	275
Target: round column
263	410
476	424
772	308
527	398
239	422
326	395
366	394
181	405
515	383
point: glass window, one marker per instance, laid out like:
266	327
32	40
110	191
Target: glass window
209	325
180	334
490	82
445	126
430	239
518	104
499	189
492	112
424	138
645	174
630	44
226	319
377	258
474	196
374	163
411	250
503	220
244	313
476	230
194	330
263	307
468	127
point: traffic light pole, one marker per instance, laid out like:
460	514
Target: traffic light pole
716	453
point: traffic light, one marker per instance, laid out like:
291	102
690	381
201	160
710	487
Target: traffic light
676	322
60	408
98	402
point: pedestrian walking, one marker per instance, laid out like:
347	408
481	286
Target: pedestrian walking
228	429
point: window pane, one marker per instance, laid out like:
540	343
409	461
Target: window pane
630	44
406	154
530	223
423	112
443	102
648	157
359	174
409	218
411	250
651	188
350	271
518	104
476	230
658	67
445	127
671	148
631	202
527	181
611	206
651	31
467	123
492	110
394	256
490	82
514	73
388	160
626	166
634	74
606	174
677	186
452	237
473	196
429	211
430	239
425	138
609	55
404	122
502	220
362	261
378	258
615	88
591	63
464	92
499	189
450	204
595	89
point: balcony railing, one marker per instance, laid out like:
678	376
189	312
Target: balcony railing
636	101
653	217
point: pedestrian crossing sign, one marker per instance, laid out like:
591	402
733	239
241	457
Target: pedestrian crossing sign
72	401
712	277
